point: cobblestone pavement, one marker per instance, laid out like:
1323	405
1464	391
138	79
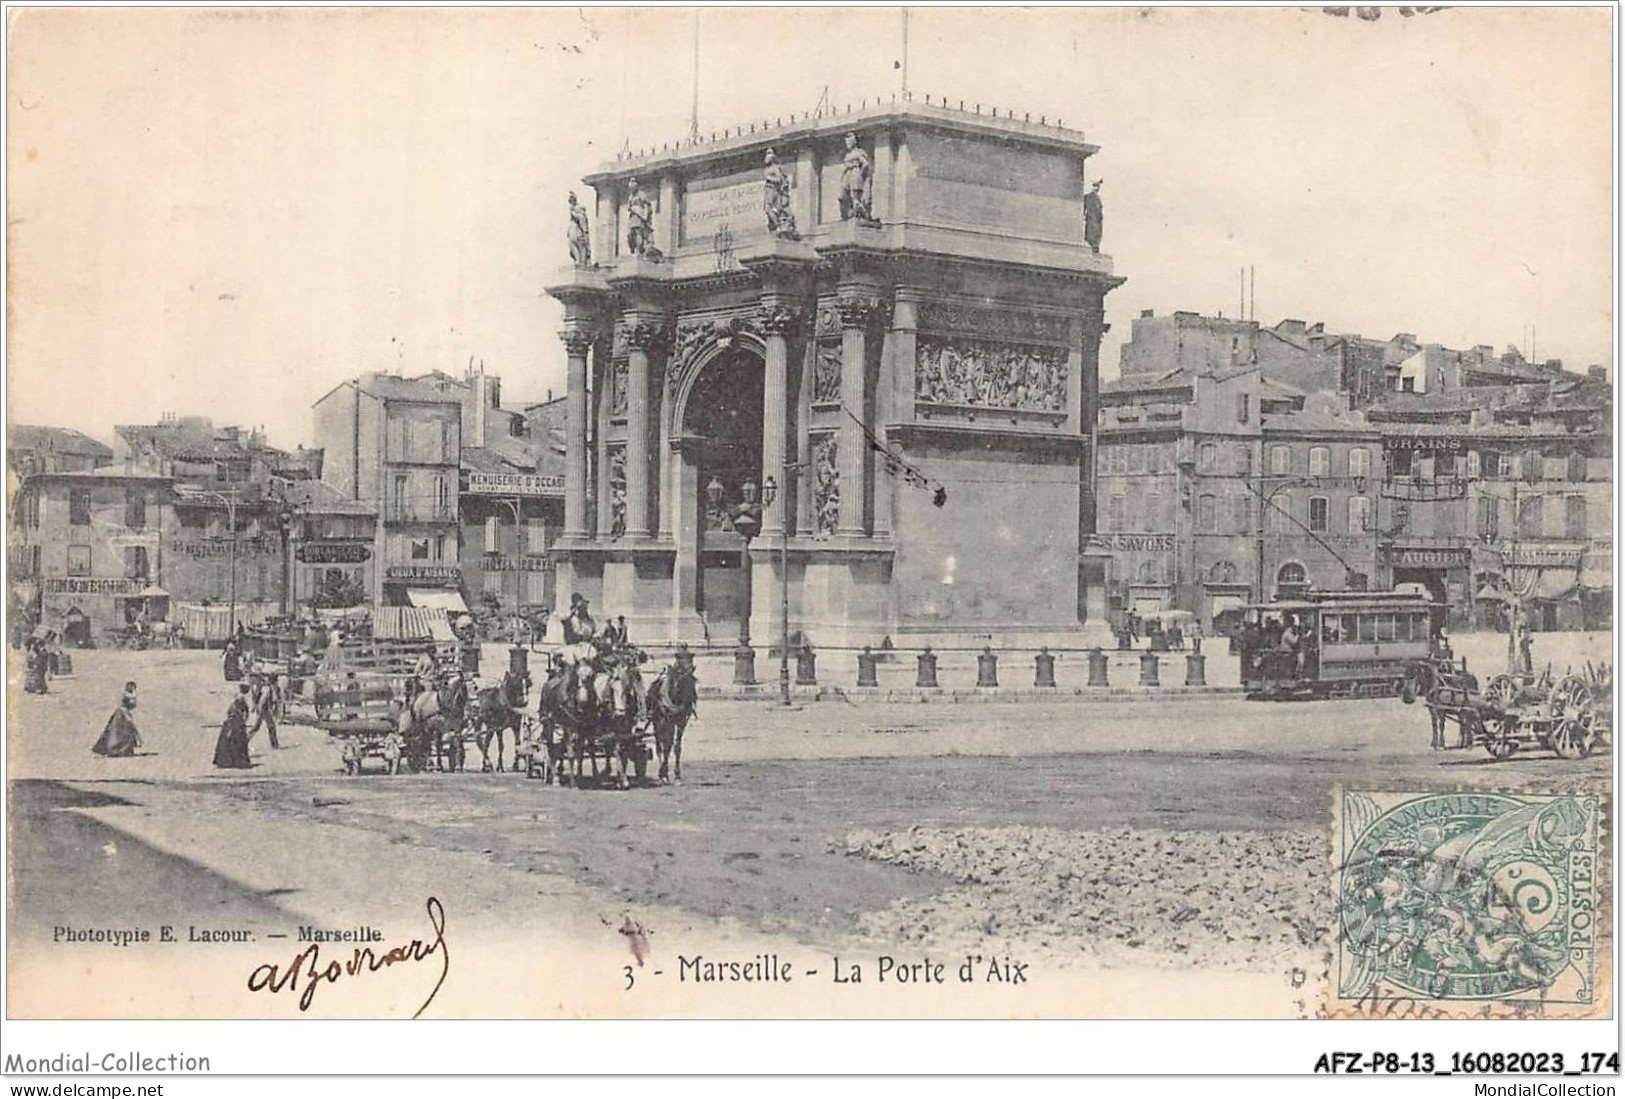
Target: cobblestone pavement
826	825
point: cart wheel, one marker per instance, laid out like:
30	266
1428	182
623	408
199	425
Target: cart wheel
1501	737
1501	690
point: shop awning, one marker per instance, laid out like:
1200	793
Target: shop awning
437	599
1556	584
1487	594
1597	571
154	592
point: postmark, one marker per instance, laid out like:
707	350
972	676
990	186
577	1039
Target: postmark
1469	904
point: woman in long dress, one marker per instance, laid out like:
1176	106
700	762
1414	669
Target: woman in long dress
120	737
231	750
36	667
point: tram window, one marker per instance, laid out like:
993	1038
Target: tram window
1419	627
1385	627
1351	629
1331	630
1368	627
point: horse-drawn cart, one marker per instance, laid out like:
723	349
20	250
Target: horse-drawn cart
1571	715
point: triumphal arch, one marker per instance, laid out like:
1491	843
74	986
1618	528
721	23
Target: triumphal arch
865	344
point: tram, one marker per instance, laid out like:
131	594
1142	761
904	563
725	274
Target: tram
1336	644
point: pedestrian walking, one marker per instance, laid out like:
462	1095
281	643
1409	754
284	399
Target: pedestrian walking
266	703
231	750
120	737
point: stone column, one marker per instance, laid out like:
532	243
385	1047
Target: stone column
895	403
603	367
642	339
1084	367
778	319
576	345
857	310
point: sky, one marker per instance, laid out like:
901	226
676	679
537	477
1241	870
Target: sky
227	213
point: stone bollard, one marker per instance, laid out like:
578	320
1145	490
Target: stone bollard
987	668
866	668
1148	670
744	666
1097	669
1044	668
925	669
1195	670
806	666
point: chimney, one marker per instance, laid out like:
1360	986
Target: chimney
1597	371
1291	326
1148	313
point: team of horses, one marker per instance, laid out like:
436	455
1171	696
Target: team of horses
586	714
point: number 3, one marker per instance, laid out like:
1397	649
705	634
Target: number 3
629	980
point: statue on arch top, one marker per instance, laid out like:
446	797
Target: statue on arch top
640	230
579	236
1094	218
781	221
857	183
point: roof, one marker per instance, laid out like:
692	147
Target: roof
321	498
1412	429
1311	422
480	459
434	387
183	441
104	473
62	440
1178	378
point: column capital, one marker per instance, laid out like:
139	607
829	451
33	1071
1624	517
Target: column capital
858	309
778	319
577	341
647	334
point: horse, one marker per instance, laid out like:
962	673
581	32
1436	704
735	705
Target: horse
618	693
499	709
672	700
436	717
564	708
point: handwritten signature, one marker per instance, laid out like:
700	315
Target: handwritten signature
307	972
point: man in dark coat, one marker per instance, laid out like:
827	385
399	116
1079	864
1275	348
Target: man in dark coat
266	704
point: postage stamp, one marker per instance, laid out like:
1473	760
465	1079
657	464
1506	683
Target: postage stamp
1469	904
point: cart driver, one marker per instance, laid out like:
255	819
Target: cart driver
579	633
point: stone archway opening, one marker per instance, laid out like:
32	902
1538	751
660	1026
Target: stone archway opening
722	418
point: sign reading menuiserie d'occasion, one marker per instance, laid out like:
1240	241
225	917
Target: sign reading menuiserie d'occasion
92	585
514	484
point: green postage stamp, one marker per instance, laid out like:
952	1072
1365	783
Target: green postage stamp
1469	903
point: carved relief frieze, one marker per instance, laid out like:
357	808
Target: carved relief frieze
826	379
988	374
826	484
617	490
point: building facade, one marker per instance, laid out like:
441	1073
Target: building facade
1239	462
394	444
917	336
87	553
